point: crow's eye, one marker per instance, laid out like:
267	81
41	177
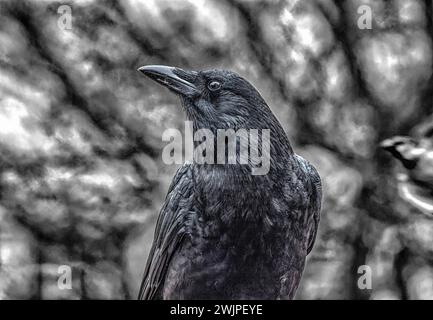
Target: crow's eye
214	85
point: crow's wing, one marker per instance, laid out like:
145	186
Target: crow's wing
172	226
315	199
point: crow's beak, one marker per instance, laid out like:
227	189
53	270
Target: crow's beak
175	79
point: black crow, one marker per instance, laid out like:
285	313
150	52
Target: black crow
223	232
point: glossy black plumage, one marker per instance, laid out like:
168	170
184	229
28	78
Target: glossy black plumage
224	233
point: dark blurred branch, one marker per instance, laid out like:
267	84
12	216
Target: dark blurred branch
346	41
258	44
427	92
163	52
401	261
22	13
266	59
136	34
40	272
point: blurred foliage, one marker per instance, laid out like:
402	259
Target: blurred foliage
81	175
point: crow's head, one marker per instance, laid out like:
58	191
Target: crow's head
215	99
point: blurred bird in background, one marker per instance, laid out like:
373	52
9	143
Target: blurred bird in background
224	233
416	155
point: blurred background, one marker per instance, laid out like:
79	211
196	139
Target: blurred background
81	174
